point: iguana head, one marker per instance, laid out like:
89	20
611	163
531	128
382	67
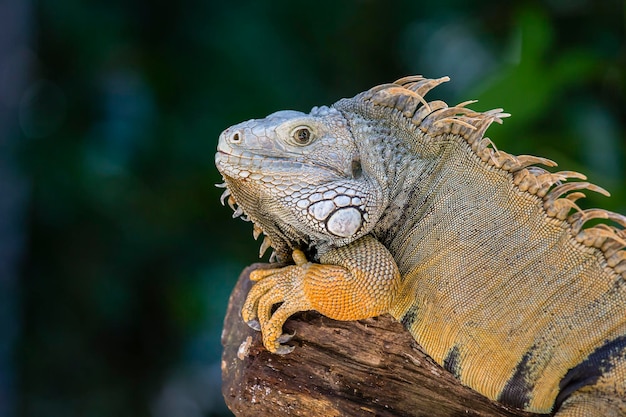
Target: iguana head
298	177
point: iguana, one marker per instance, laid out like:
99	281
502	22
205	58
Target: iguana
388	203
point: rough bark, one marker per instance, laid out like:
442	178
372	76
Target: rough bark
369	367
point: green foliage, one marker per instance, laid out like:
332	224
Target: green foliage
130	258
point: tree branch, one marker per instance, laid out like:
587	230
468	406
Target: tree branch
369	367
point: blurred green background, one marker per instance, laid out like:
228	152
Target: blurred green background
116	258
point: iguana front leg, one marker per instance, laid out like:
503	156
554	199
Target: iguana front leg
352	282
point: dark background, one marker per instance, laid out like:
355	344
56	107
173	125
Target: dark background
116	258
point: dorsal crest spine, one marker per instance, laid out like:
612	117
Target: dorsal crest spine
435	118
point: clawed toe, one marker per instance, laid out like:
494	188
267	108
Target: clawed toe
277	294
254	324
284	349
285	337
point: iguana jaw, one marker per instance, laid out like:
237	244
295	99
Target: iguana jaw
273	236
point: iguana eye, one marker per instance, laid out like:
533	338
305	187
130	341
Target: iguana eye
302	135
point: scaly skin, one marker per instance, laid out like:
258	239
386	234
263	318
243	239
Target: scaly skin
403	207
364	277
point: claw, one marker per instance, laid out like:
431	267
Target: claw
254	324
222	185
285	337
284	350
273	257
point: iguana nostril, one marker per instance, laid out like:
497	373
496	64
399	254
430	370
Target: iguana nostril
236	137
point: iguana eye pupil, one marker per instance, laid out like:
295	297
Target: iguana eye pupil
302	135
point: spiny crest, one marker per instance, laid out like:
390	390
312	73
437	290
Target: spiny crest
436	118
227	197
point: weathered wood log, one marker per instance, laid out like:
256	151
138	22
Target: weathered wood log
368	367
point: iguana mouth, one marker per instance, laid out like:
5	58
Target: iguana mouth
283	164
